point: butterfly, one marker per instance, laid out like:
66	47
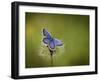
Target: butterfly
50	41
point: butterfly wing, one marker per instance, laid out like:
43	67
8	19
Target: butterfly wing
47	37
46	41
58	42
46	33
52	45
49	43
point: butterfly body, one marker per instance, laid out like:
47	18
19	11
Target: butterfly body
50	41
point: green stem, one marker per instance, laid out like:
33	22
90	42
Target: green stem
52	59
51	54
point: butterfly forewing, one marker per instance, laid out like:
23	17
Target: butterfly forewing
46	33
57	42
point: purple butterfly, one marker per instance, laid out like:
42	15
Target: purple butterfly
50	41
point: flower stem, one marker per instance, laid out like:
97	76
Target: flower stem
51	58
51	54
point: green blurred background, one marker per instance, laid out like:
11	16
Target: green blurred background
72	30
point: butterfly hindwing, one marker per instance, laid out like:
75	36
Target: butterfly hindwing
52	45
46	40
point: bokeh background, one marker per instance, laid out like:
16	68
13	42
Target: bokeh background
72	30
